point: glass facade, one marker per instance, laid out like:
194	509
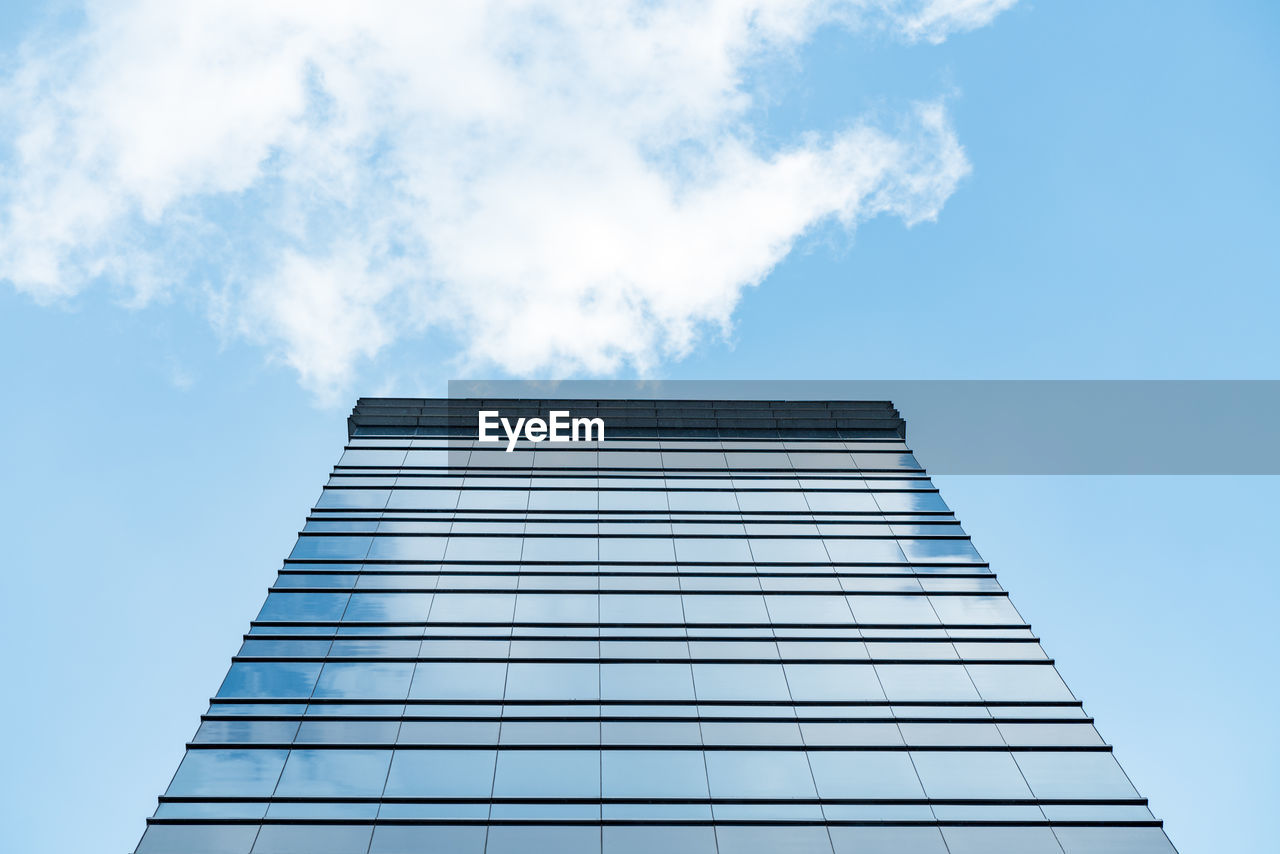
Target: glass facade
740	627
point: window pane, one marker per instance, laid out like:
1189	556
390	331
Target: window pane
372	679
1074	775
300	839
650	839
341	548
969	774
388	607
759	774
458	680
646	682
725	609
740	682
967	610
1018	682
864	774
1113	840
472	607
197	839
441	773
552	681
547	774
270	679
833	682
303	607
246	732
1000	840
516	839
336	773
787	550
892	610
641	608
654	774
763	839
926	682
887	840
428	840
809	609
557	608
244	773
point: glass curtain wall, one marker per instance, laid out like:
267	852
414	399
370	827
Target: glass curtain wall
732	627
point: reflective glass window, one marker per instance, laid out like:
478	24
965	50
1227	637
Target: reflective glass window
864	774
1018	682
647	839
940	551
552	681
377	679
547	774
334	773
448	732
887	840
910	502
833	682
625	681
483	548
472	607
270	679
969	774
967	610
1001	840
840	502
220	772
759	774
641	608
637	549
246	732
448	680
339	547
740	682
388	607
718	608
313	839
864	551
441	774
560	549
407	548
303	607
1063	774
543	839
809	609
772	502
423	499
926	682
654	774
557	608
453	839
198	839
348	732
1113	840
788	550
765	839
373	499
907	610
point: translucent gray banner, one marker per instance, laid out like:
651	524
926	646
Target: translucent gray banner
1006	427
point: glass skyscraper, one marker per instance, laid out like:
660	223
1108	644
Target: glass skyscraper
732	627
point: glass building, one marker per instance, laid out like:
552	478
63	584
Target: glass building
732	627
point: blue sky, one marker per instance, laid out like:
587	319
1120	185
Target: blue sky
1114	218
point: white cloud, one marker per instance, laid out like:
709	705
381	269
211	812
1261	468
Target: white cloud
560	186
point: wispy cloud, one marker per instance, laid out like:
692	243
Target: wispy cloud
559	186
